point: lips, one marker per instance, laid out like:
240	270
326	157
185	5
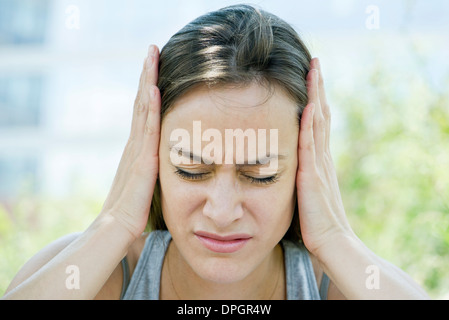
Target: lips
223	244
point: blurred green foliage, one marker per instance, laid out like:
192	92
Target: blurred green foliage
31	223
392	159
393	167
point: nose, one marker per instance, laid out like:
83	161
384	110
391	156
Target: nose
224	201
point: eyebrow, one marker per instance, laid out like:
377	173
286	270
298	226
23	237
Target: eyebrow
254	162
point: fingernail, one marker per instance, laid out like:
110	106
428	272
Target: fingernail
152	50
150	60
317	74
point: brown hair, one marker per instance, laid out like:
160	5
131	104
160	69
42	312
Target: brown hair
235	45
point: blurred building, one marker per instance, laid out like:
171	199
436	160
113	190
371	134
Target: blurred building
65	104
22	23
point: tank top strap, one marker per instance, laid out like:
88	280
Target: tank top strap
125	270
300	277
146	279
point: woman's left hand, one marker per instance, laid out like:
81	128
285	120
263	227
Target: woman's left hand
325	230
321	213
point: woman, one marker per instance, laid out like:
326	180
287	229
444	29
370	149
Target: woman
230	155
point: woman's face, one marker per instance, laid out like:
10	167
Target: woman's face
225	210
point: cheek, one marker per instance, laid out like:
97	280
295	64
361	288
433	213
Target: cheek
272	208
178	200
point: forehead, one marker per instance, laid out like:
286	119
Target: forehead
253	106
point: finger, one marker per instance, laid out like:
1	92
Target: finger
139	106
152	125
153	51
318	120
148	77
315	63
306	149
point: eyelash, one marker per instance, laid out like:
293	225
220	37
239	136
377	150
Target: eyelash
198	176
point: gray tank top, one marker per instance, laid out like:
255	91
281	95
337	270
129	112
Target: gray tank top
145	281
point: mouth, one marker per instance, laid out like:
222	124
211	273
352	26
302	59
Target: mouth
223	244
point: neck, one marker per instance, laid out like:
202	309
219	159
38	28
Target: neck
180	281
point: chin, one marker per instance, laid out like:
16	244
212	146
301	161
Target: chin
221	269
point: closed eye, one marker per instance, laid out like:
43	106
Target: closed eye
189	176
266	180
200	176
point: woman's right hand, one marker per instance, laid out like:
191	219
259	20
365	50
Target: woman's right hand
129	199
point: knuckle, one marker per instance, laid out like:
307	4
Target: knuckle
328	158
149	130
140	106
326	113
321	124
153	110
309	145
